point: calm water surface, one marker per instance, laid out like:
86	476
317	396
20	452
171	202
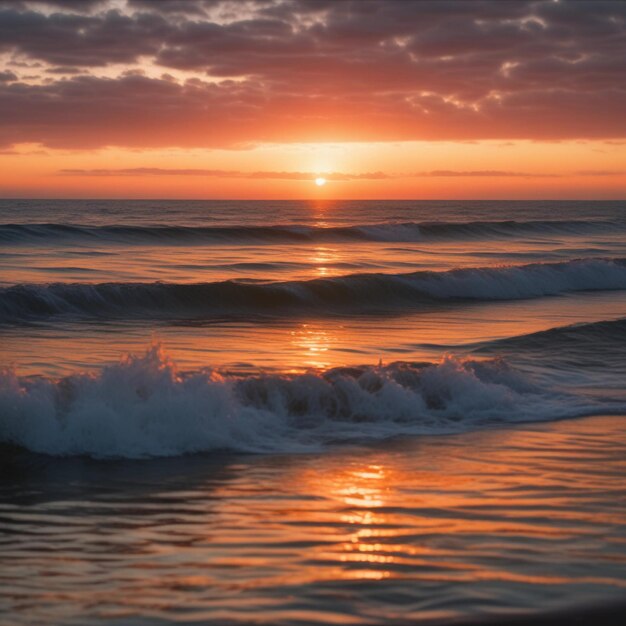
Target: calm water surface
506	521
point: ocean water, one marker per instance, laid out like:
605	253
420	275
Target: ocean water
310	412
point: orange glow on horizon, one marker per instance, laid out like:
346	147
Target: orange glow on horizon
409	170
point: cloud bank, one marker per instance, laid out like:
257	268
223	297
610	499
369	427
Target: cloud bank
211	73
210	173
331	176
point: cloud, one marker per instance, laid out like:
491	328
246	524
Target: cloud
169	7
331	176
63	70
314	70
212	173
54	5
601	173
81	40
484	173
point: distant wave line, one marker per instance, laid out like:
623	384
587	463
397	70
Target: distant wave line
351	294
43	233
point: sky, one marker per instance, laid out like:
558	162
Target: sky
258	98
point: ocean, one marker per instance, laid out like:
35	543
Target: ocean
311	412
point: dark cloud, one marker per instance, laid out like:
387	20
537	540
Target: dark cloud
55	5
138	111
318	70
81	40
61	69
169	7
7	76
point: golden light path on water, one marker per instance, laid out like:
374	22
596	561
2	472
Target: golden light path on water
436	528
301	344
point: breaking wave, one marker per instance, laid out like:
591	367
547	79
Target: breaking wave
143	407
238	235
358	293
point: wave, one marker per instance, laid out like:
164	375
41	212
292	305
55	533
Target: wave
237	235
563	337
593	353
352	294
144	407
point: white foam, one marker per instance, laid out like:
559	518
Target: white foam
143	407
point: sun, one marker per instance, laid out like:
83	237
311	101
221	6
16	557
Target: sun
320	182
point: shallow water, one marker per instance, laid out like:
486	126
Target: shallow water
505	521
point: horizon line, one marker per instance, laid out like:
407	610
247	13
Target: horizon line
142	199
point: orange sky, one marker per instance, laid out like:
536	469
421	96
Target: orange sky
393	99
353	170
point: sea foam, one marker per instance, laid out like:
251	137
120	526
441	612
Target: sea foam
143	407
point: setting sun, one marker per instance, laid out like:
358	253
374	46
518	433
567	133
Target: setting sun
320	182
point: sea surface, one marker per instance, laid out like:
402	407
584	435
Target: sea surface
282	412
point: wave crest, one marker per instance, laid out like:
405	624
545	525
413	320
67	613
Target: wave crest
144	407
357	293
384	232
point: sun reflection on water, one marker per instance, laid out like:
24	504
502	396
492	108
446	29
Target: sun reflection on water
313	343
321	258
364	491
437	522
